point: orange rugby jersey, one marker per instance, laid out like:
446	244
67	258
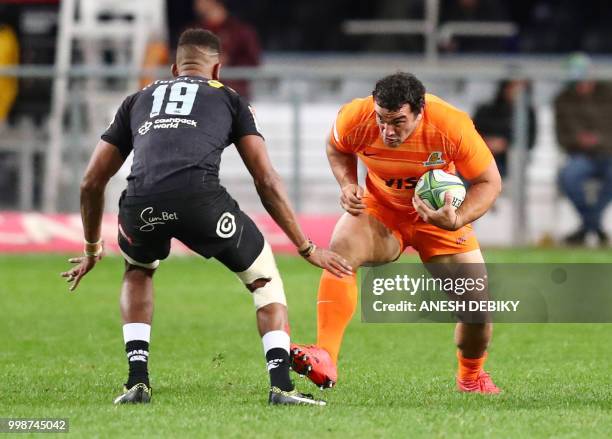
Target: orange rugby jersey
444	139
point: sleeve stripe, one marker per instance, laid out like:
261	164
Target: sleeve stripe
336	136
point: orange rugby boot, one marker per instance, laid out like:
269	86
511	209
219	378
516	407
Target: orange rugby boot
315	363
482	384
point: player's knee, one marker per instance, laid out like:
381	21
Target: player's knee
272	313
263	279
257	284
352	255
132	270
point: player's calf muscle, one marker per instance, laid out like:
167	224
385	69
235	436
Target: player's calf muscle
473	339
272	317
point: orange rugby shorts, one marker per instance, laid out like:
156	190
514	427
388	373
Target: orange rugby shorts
411	231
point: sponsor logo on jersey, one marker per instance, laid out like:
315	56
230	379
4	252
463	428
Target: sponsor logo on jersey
402	182
150	220
435	158
145	127
226	226
171	122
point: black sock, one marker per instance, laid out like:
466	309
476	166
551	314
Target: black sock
138	357
278	368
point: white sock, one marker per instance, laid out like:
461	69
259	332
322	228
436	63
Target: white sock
136	331
275	339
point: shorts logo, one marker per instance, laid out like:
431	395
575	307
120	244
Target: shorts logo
226	226
150	220
463	239
435	158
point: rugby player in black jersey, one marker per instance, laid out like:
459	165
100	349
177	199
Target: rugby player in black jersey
177	130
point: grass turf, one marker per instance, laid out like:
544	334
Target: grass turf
62	356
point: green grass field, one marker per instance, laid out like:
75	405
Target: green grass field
62	356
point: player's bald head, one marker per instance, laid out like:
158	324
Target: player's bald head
197	48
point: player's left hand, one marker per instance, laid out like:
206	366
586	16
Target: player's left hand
330	261
76	273
445	217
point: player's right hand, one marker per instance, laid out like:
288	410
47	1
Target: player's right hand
76	273
351	199
330	261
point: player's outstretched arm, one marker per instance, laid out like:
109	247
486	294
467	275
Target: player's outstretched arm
274	198
105	162
344	168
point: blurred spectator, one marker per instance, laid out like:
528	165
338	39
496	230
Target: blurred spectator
473	10
239	41
584	131
35	24
9	56
494	120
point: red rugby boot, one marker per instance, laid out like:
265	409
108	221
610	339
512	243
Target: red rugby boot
315	363
482	384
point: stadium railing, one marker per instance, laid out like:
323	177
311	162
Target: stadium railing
297	97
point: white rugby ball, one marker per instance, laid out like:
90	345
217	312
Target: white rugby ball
433	185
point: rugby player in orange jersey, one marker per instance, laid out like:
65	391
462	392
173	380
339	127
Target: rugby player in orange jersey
399	133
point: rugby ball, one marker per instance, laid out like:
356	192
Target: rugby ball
433	184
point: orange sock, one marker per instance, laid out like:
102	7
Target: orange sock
469	368
336	305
